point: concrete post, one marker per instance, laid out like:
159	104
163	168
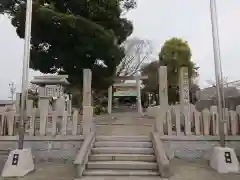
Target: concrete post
87	101
17	102
206	121
110	100
75	122
43	110
60	106
215	120
30	114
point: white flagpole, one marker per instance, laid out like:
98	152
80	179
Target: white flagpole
218	70
25	70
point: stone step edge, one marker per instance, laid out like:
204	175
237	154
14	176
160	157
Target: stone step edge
123	157
97	172
122	151
122	165
123	162
123	144
124	138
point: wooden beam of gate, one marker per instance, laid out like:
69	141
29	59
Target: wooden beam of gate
119	78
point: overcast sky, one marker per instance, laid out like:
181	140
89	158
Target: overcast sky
155	20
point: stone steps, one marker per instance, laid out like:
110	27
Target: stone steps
120	173
122	150
122	156
123	144
128	165
124	138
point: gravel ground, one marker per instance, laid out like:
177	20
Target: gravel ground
197	170
183	170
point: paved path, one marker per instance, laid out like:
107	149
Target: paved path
123	124
183	170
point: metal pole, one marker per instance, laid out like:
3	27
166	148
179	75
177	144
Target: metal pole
218	70
12	90
25	71
139	102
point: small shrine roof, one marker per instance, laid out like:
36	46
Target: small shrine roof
50	80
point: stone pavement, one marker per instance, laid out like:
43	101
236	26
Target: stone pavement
183	170
127	124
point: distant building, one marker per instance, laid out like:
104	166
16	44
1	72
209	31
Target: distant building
208	97
4	103
210	93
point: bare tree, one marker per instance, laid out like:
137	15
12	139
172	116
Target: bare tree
213	83
137	51
230	88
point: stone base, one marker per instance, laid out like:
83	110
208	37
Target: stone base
224	160
19	163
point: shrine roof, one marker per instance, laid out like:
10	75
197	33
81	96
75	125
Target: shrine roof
50	80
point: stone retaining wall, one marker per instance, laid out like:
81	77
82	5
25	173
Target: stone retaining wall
66	147
44	148
196	146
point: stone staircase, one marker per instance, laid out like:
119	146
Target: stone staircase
122	156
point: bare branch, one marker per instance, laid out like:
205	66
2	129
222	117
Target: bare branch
134	49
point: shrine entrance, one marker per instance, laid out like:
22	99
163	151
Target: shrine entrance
124	96
126	93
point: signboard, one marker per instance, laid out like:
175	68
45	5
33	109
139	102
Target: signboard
228	158
15	159
185	87
125	91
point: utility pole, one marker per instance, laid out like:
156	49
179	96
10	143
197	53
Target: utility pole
12	89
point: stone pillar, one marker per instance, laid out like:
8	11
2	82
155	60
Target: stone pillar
29	107
87	87
184	98
43	104
110	99
70	105
75	122
162	98
87	101
184	86
31	116
60	106
163	86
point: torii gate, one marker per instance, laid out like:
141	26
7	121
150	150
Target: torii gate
123	78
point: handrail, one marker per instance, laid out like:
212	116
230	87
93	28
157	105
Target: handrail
162	159
83	153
